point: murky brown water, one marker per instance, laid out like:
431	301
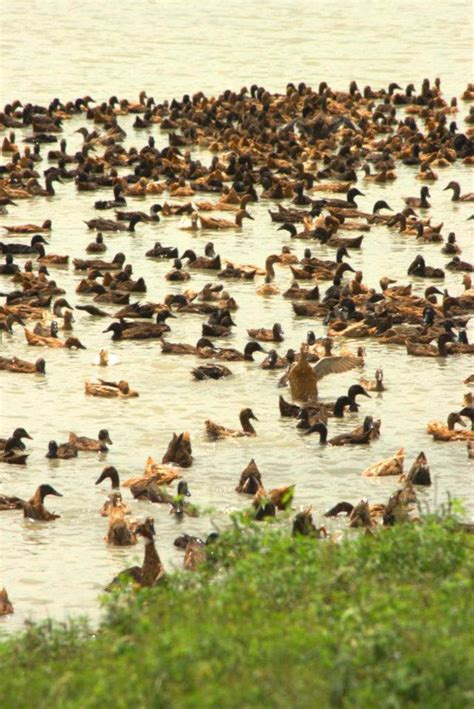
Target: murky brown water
59	569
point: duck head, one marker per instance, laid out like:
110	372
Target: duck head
40	366
146	529
104	437
357	390
163	315
38	239
277	331
45	490
20	433
52	450
109	472
183	490
251	348
380	204
116	328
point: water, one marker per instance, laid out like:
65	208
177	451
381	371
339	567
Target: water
59	569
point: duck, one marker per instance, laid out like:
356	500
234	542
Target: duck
30	228
152	217
426	173
9	268
210	261
12	454
35	509
82	443
419	473
140	331
303	525
361	512
40	341
179	505
273	361
263	507
470	449
211	223
111	225
114	503
421	270
157	493
230	354
159	251
154	473
50	259
287	257
303	378
151	572
358	436
397	508
267	289
181	348
121	531
97	246
21	366
297	293
440	350
457	196
421	202
211	371
374	385
179	451
388	466
15	441
457	265
219	324
176	273
275	334
109	473
468	412
197	552
250	479
280	498
110	390
63	451
118	201
10	502
353	392
19	249
451	247
348	203
98	264
6	607
216	431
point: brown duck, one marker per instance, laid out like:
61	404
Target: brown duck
215	431
35	509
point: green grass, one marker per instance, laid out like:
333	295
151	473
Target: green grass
382	621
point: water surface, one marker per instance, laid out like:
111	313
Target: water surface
171	48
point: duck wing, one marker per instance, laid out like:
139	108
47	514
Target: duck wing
335	365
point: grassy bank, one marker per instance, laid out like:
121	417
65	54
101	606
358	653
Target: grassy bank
374	621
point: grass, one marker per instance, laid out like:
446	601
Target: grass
376	621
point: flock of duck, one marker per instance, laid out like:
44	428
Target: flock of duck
295	150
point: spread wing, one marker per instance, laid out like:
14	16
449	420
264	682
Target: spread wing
335	365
